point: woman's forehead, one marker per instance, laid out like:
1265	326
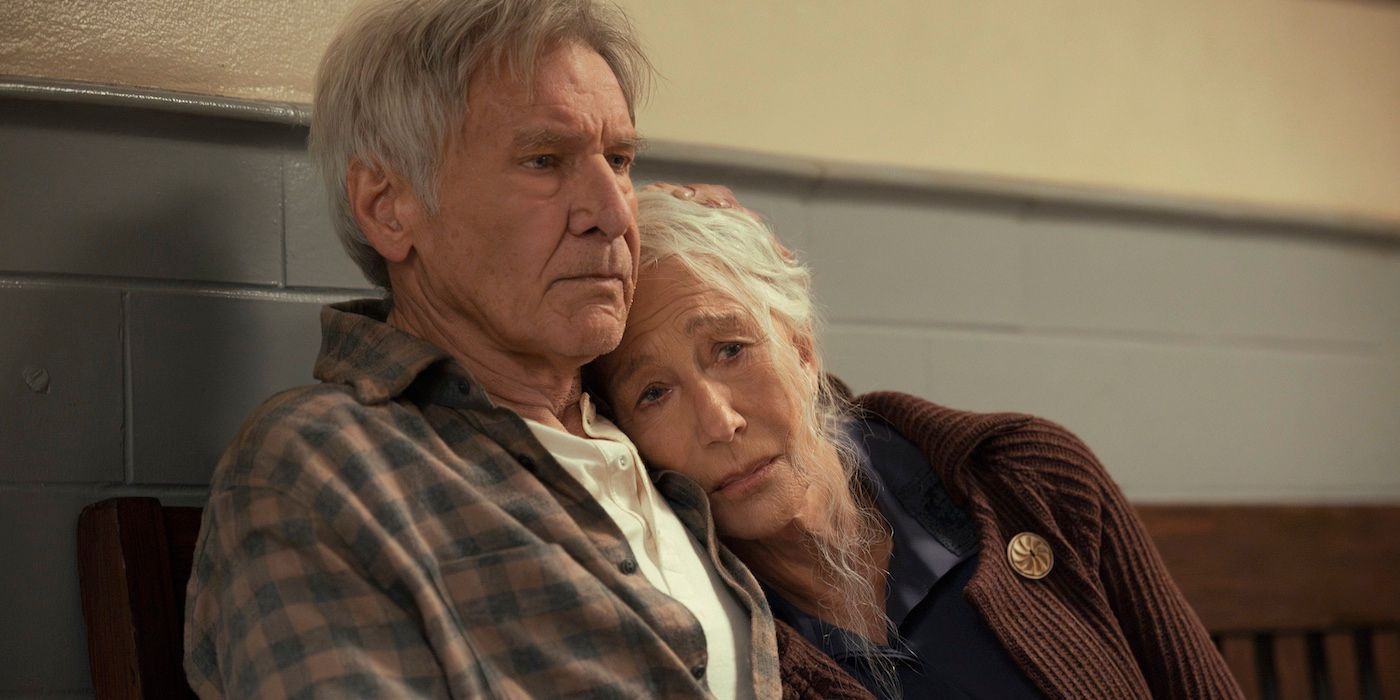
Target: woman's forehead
684	318
670	296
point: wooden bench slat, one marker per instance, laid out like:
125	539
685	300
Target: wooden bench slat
1240	656
1385	652
1291	667
1342	666
1314	578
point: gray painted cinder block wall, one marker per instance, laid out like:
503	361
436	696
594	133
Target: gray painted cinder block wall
162	273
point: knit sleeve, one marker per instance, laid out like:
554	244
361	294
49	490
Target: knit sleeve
809	674
1168	641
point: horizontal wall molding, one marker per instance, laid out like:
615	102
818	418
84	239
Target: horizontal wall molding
231	290
812	172
159	100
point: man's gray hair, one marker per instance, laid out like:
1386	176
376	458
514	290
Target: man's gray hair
391	90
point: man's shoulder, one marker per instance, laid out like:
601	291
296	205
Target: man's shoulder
310	433
305	410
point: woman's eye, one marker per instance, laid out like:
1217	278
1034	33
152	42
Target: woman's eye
729	351
650	395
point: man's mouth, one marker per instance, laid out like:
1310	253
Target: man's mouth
594	277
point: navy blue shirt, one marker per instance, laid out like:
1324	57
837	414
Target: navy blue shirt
939	645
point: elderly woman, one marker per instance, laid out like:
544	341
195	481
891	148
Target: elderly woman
929	551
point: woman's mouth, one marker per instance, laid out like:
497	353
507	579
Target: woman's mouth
745	480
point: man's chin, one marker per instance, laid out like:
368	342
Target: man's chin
594	332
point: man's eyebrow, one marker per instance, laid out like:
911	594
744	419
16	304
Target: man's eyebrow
545	138
529	139
634	143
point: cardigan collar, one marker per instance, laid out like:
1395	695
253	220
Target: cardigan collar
947	436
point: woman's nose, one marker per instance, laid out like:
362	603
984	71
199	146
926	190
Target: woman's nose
719	421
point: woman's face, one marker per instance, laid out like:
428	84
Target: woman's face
695	385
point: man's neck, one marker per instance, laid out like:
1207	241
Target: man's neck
543	390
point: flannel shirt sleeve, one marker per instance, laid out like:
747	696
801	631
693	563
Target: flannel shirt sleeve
283	609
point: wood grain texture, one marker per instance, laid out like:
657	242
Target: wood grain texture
107	610
1249	568
1317	585
133	614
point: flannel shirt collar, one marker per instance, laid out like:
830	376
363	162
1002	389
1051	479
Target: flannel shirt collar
379	362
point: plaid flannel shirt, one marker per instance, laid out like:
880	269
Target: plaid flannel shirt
391	533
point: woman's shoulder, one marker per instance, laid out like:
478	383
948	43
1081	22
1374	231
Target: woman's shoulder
953	439
1007	467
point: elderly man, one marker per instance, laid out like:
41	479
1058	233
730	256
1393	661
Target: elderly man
444	514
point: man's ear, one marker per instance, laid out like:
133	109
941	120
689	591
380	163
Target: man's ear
381	203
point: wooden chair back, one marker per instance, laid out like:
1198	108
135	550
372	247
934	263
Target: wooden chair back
1303	601
134	557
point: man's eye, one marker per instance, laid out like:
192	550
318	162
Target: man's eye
542	162
620	162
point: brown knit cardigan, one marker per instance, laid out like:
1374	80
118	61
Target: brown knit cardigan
1107	622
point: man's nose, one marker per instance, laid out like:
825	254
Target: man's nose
719	421
600	202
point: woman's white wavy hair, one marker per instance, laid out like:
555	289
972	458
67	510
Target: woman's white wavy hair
741	258
391	90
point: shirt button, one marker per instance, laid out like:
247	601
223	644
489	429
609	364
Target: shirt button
628	566
623	460
698	672
1030	555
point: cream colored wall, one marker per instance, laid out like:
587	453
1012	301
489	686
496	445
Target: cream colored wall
258	49
1285	103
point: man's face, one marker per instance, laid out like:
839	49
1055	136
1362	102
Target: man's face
535	246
